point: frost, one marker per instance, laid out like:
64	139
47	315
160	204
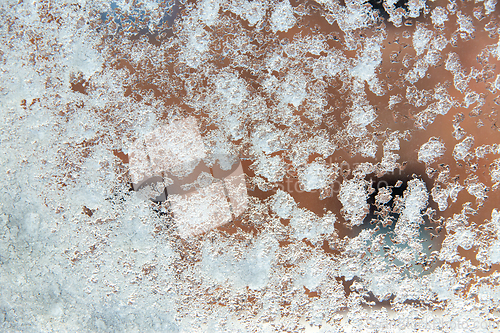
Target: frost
282	17
316	176
353	195
415	201
461	150
260	166
421	39
439	16
431	150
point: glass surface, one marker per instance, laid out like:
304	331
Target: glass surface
250	166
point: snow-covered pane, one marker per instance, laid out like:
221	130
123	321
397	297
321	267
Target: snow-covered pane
249	166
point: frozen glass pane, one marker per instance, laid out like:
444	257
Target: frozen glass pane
250	166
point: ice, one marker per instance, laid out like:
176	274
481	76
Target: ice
415	201
315	176
439	16
234	165
282	17
431	150
461	150
353	195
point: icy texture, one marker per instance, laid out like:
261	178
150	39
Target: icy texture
367	195
431	150
353	195
200	211
176	148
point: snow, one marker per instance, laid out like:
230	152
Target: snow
176	148
283	204
353	195
315	176
439	16
495	173
461	150
430	151
421	39
200	211
273	168
282	17
279	130
415	201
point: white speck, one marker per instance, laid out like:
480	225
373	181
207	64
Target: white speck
461	150
431	150
273	168
282	17
421	39
354	195
315	176
439	16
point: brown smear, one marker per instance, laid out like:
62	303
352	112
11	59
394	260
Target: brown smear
121	155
